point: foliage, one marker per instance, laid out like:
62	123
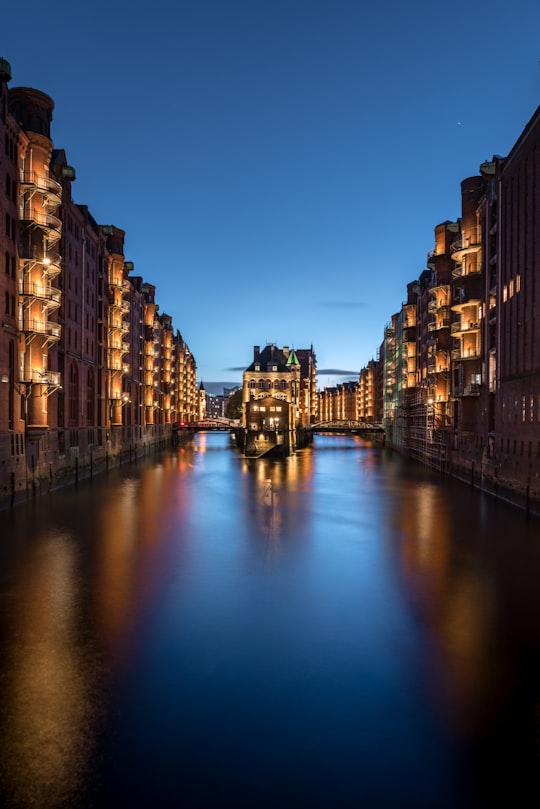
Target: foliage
233	409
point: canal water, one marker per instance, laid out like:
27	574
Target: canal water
337	629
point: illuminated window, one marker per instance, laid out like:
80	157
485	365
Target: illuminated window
505	293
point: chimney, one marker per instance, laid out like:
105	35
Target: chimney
256	351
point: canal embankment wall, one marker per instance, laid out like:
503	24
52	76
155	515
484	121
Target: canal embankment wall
48	465
513	480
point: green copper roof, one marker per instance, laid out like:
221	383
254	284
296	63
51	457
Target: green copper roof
292	359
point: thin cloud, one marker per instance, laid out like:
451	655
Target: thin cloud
236	368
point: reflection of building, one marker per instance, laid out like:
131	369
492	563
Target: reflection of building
89	369
278	400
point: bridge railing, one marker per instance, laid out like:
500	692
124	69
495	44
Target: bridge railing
347	424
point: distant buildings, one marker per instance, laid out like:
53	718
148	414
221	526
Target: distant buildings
89	368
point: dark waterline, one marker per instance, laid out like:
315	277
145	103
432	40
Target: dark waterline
365	635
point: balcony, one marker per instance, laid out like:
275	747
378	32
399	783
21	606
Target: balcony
465	246
51	189
468	272
42	327
463	327
47	221
122	367
42	292
469	295
121	306
120	283
437	325
50	378
467	390
465	354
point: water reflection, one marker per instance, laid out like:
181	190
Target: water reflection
48	708
326	630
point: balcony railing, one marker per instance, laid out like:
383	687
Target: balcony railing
41	292
464	326
464	272
465	354
51	378
467	390
51	223
464	245
44	327
441	323
48	185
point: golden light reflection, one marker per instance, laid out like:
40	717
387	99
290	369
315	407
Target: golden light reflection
132	536
46	738
453	600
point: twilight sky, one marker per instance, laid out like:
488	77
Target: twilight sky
278	165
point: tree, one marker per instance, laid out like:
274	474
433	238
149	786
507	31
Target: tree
233	409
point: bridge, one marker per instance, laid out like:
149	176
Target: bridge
348	426
336	426
207	424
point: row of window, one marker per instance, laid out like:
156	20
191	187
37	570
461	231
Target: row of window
512	411
267	384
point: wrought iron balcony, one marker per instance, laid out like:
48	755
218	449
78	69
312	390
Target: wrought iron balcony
43	327
43	292
47	221
50	188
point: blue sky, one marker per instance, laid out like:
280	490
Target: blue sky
278	165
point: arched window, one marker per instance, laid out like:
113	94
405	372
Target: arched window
252	383
261	384
268	384
276	384
283	384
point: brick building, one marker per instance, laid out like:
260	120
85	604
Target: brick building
89	368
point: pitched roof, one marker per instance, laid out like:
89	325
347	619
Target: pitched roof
270	354
292	359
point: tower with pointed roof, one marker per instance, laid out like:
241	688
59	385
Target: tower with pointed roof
201	402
